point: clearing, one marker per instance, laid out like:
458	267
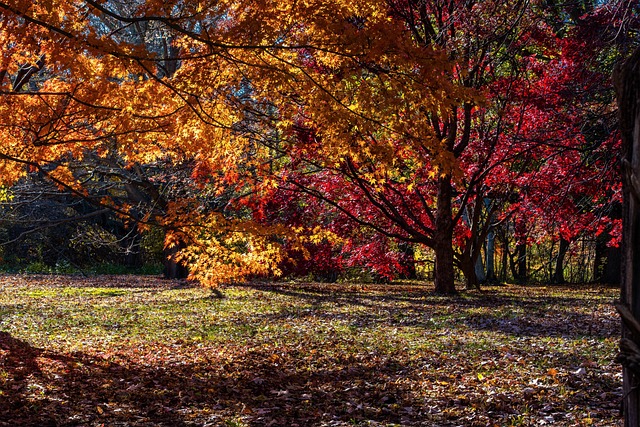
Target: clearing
141	351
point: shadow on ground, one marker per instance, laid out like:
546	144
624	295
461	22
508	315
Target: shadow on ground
276	384
42	388
545	316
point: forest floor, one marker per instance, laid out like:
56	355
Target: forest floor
141	351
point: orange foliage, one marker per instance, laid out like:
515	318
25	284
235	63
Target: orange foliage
223	82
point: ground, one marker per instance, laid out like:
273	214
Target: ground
141	351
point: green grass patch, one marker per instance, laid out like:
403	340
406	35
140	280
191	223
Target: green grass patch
75	292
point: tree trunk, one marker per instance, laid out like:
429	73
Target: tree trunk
490	251
609	266
627	82
469	270
558	273
172	268
505	259
473	271
443	240
444	273
608	261
521	263
479	270
609	258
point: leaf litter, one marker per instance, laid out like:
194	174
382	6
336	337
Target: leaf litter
141	351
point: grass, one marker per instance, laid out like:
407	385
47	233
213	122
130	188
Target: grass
140	351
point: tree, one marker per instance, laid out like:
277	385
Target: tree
628	82
93	86
402	117
626	78
515	150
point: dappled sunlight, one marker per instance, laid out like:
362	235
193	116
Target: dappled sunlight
312	354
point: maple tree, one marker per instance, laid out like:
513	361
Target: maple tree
89	88
521	151
429	123
575	192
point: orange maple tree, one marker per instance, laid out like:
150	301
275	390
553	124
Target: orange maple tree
221	85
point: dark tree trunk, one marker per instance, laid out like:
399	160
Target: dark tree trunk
505	260
490	252
608	261
481	276
468	267
627	82
520	273
443	241
470	261
172	268
609	264
444	273
558	273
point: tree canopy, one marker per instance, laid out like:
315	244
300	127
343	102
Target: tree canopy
422	122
